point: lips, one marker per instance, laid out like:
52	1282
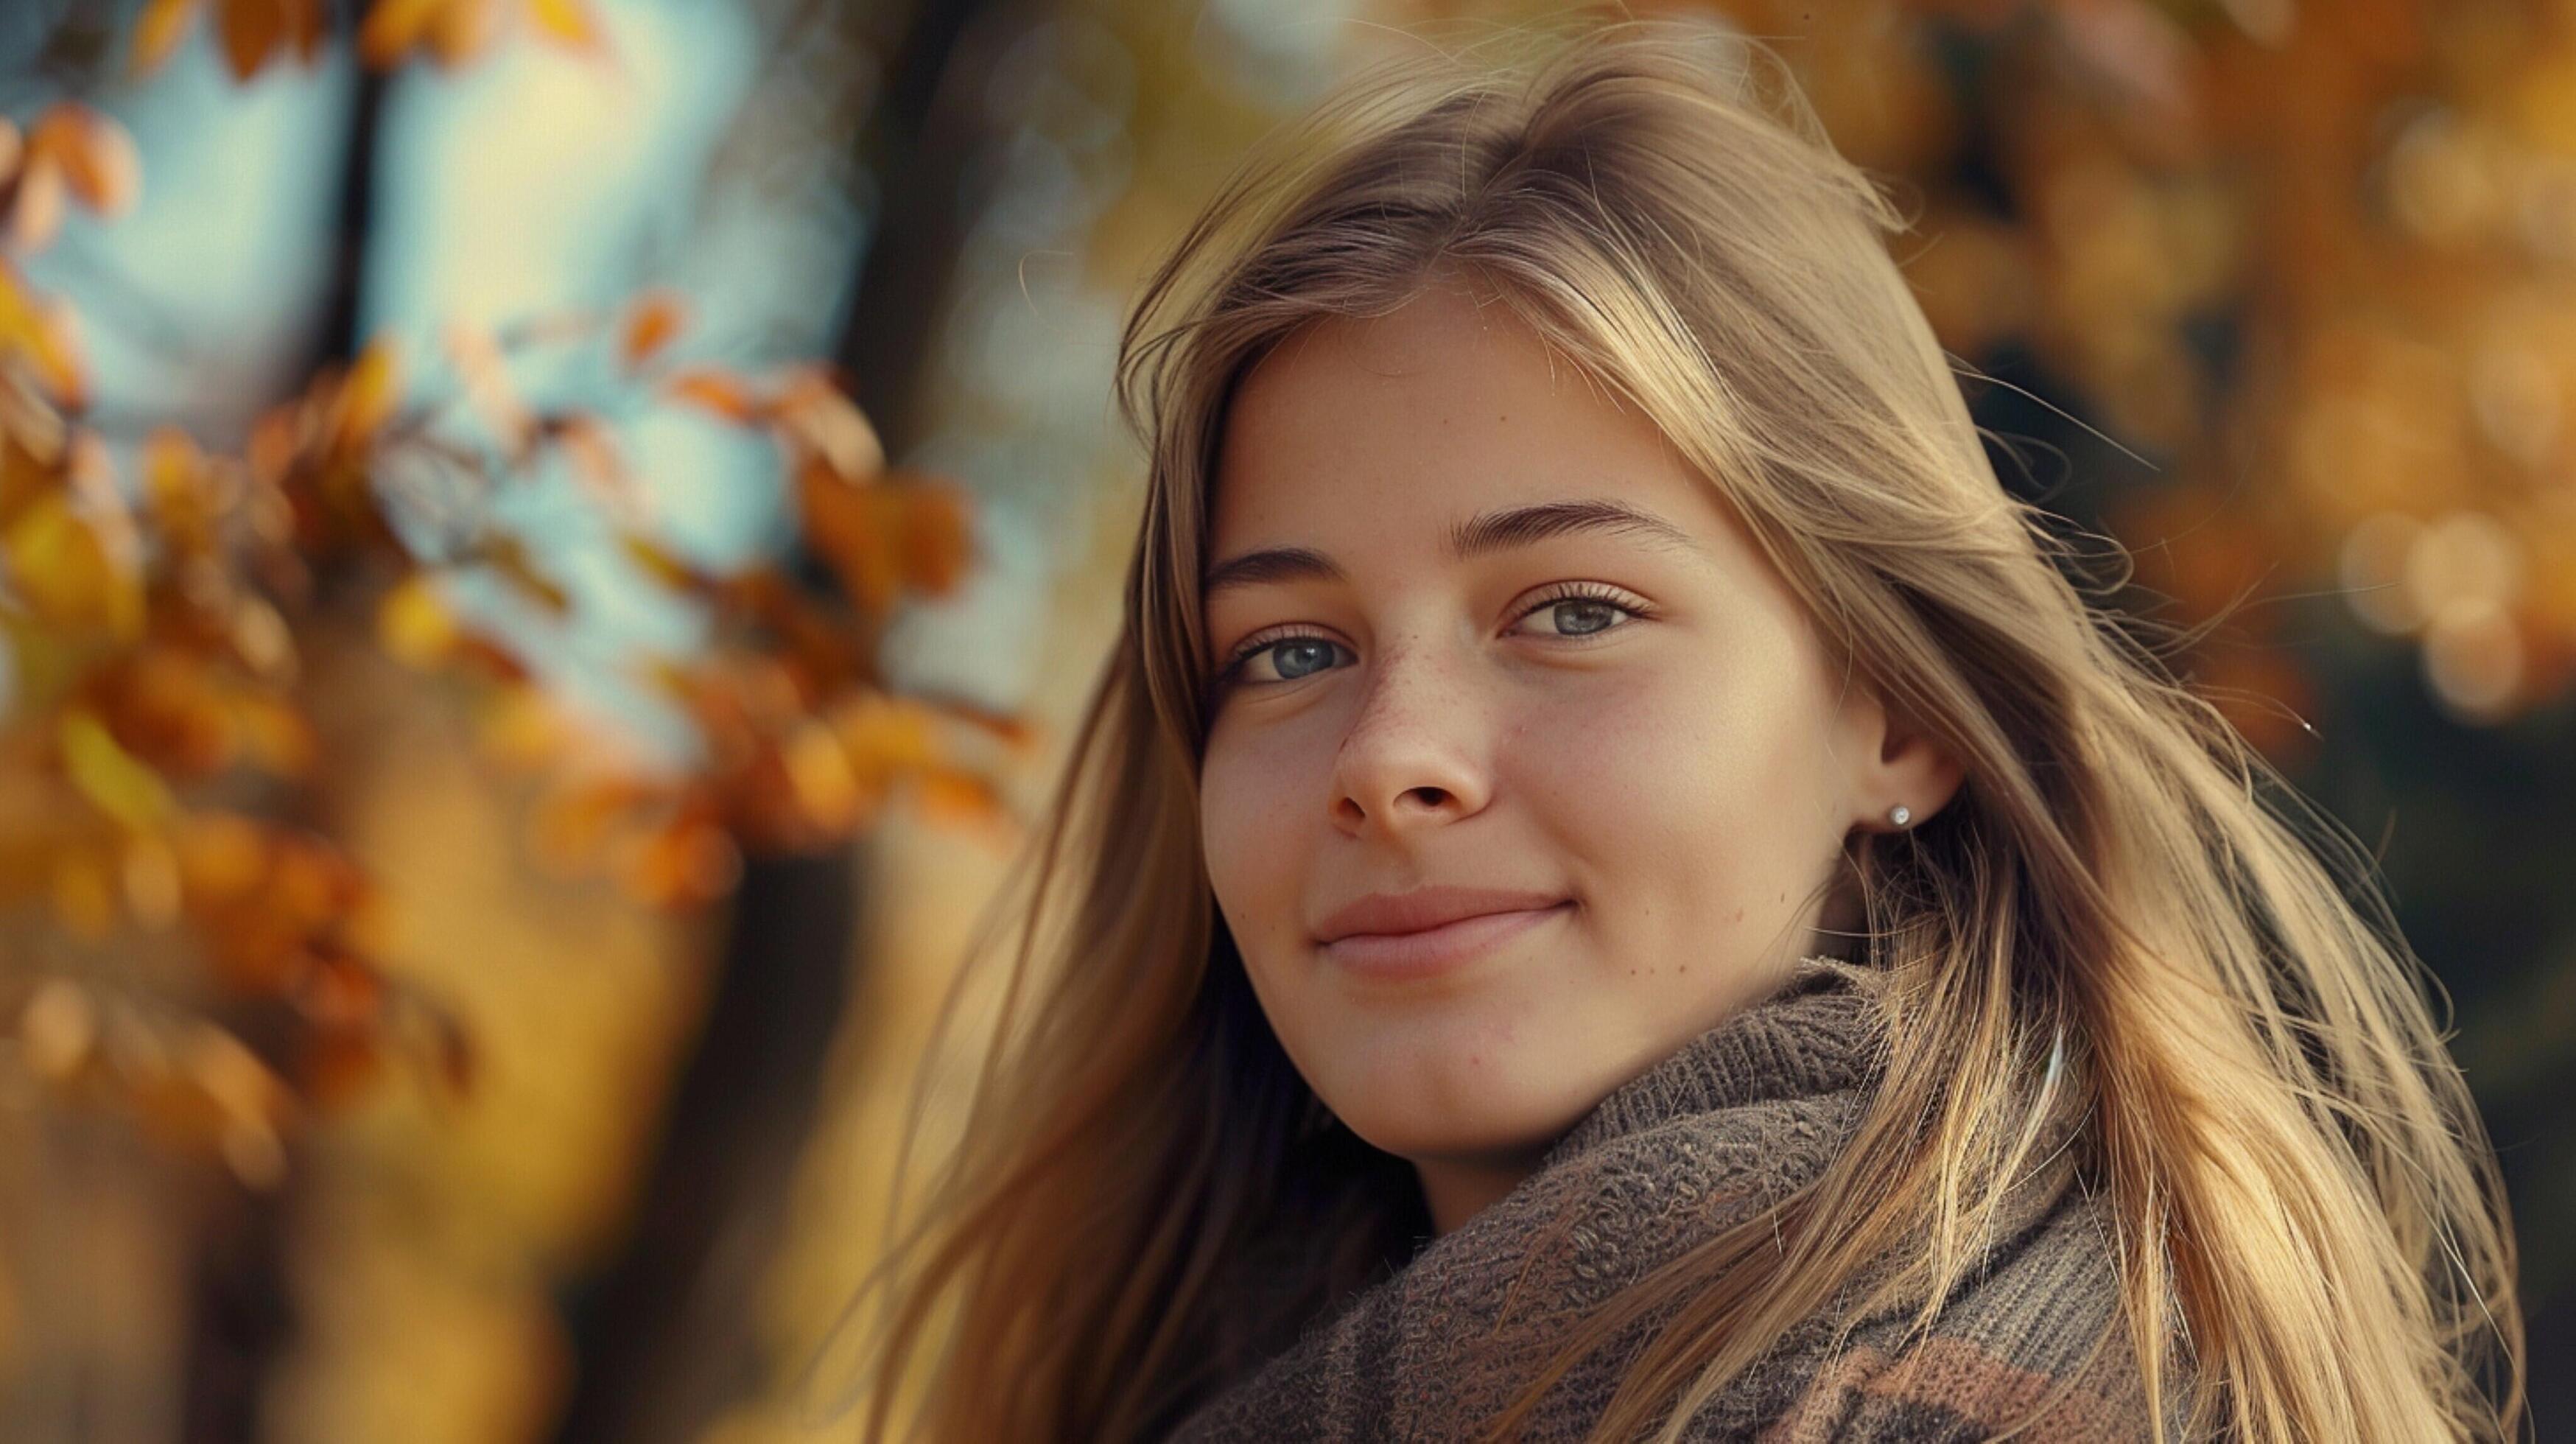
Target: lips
1423	909
1399	936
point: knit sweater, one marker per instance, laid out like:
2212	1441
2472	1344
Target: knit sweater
1738	1118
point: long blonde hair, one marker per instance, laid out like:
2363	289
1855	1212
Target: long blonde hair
2312	1234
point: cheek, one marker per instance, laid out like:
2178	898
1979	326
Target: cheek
1247	807
1682	794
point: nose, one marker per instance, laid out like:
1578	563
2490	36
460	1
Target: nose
1411	758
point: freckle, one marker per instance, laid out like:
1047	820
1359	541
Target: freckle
1739	914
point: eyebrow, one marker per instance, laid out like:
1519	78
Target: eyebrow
1491	532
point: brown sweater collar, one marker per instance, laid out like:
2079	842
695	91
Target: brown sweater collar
1822	1032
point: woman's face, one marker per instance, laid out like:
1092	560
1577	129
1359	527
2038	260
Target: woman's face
1488	631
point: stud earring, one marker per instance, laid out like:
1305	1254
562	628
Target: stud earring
1899	815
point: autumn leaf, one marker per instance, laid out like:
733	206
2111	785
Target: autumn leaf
485	372
650	325
157	32
393	27
508	556
177	492
815	413
720	392
881	539
368	397
684	864
249	30
464	29
92	152
109	776
63	566
41	334
36	209
665	565
57	1028
415	624
568	22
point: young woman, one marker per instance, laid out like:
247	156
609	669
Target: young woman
1613	887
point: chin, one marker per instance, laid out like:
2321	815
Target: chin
1453	1134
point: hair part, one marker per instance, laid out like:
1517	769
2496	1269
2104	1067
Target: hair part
2312	1237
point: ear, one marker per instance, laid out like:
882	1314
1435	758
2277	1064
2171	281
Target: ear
1893	762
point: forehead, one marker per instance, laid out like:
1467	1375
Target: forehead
1391	431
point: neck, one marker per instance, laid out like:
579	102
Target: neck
1457	1189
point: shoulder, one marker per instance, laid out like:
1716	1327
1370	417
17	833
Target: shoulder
2035	1340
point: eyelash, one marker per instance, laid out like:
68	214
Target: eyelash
1565	592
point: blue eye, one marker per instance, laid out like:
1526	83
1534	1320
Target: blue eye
1581	610
1310	654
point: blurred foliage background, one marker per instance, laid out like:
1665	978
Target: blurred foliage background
548	548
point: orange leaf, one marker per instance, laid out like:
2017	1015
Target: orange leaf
96	154
36	211
828	790
308	24
221	855
156	34
84	894
721	392
276	737
249	29
58	1028
587	446
657	318
464	29
938	535
969	802
373	389
176	493
816	413
686	864
569	22
486	373
393	28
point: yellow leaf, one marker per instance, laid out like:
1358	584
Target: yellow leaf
275	736
39	332
567	21
61	564
156	34
109	776
414	624
176	493
373	390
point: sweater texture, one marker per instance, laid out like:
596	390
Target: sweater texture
1739	1118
